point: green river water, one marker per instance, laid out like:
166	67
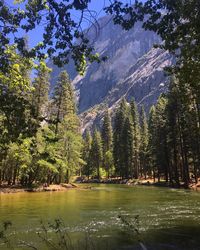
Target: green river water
168	218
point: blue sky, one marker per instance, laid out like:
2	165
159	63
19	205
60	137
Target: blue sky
35	36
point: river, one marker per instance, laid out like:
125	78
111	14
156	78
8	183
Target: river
161	218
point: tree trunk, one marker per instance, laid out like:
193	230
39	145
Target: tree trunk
154	175
67	176
98	173
14	175
176	166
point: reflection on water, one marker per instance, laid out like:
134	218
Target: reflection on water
168	218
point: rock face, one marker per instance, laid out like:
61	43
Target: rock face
134	69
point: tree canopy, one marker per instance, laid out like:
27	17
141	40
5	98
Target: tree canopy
59	31
171	20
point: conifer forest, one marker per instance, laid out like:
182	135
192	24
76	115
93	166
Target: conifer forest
41	137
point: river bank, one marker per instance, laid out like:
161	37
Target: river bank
42	188
144	182
64	187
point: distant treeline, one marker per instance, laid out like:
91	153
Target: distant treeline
40	139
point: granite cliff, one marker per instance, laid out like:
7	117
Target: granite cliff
134	68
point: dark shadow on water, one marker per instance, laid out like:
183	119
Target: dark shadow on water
182	237
177	238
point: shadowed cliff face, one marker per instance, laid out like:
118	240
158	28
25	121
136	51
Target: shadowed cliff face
133	69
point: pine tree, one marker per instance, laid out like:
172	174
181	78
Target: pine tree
173	135
106	135
128	138
63	99
189	115
40	93
87	170
118	140
45	157
96	153
162	151
67	126
152	141
179	132
136	139
108	163
143	142
70	148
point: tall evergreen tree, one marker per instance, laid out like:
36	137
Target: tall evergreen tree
96	153
70	148
136	135
179	134
63	99
67	126
128	140
152	142
173	114
189	96
162	152
41	93
118	139
108	163
106	135
143	142
87	170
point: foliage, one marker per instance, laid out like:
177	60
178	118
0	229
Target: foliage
132	226
63	100
136	136
118	140
144	137
4	231
107	137
70	147
53	235
128	154
40	134
109	163
87	168
171	20
40	93
175	149
96	152
59	31
34	148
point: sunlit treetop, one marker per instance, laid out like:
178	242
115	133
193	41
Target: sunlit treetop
15	76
